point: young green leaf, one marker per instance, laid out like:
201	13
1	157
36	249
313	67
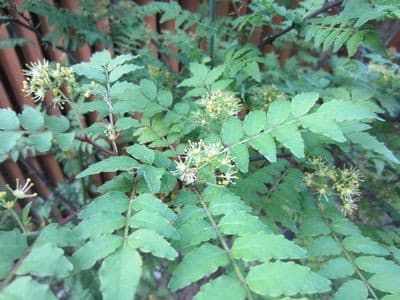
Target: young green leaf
31	119
196	264
120	274
112	164
254	122
46	260
302	103
263	247
8	119
95	249
224	287
292	278
142	153
232	131
150	241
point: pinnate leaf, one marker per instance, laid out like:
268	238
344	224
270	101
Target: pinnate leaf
196	264
276	279
120	274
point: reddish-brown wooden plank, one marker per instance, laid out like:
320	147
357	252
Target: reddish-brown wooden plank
151	23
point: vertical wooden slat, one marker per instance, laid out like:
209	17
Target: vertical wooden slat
223	8
170	60
11	66
104	26
55	54
83	53
151	23
32	51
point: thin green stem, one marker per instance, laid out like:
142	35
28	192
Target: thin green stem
21	226
236	268
107	99
129	212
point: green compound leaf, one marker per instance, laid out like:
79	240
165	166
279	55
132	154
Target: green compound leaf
386	282
57	124
46	260
153	221
240	154
278	112
98	224
340	110
195	232
142	153
323	246
290	137
285	279
120	274
8	140
265	144
224	287
12	245
227	203
318	123
336	268
31	119
41	141
152	204
232	131
370	142
254	122
25	287
263	247
241	223
352	289
196	264
360	244
302	103
373	264
113	202
153	175
8	119
112	164
150	241
86	256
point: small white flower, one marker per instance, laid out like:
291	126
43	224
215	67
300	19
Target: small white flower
37	69
185	172
21	191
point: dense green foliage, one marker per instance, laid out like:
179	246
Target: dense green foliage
240	177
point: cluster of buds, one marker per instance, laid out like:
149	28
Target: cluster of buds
200	161
159	74
90	89
19	192
332	181
4	202
386	71
217	105
110	131
42	79
272	93
261	97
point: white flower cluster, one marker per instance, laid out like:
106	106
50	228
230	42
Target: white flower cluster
198	156
41	79
217	105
